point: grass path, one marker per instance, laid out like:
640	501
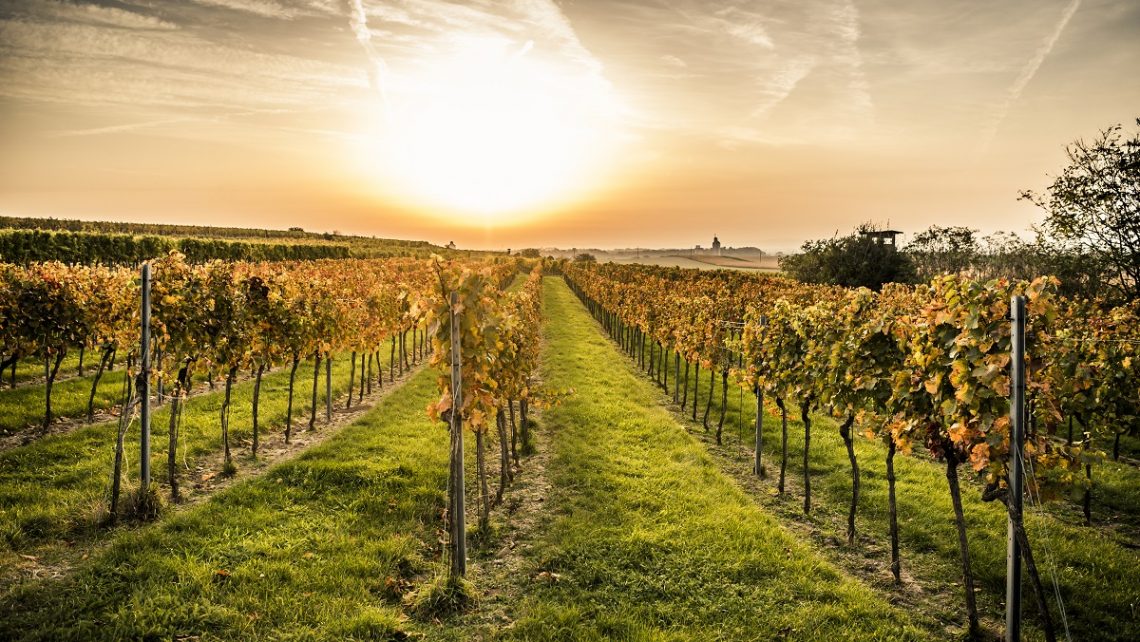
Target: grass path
321	547
31	369
22	408
648	540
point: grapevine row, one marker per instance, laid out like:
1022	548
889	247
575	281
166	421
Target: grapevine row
222	318
923	366
498	352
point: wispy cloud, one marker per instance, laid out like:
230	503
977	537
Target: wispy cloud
990	130
100	15
403	38
358	20
849	56
167	122
263	8
785	70
216	55
81	62
120	129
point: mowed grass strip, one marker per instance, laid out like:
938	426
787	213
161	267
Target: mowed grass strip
57	486
22	408
1095	567
649	540
30	368
318	548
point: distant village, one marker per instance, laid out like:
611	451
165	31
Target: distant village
715	248
699	252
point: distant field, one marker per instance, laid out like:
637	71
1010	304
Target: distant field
707	262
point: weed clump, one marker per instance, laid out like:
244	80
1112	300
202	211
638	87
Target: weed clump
441	597
145	505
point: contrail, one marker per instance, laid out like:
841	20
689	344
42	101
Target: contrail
377	70
1027	73
129	127
115	129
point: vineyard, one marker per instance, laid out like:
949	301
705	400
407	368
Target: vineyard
301	448
926	367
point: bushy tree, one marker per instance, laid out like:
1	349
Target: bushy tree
943	250
1093	212
856	260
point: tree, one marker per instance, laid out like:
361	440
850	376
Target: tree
856	260
585	257
1093	209
942	250
1006	255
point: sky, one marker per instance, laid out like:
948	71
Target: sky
580	123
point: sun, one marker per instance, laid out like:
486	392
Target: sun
491	130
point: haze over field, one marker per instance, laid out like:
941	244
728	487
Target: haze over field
537	123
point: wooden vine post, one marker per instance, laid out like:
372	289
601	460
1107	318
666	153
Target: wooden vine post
456	510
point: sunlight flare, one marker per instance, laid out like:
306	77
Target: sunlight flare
493	131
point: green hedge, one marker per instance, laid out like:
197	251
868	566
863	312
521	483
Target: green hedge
27	246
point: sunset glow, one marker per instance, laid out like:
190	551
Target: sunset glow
488	129
538	123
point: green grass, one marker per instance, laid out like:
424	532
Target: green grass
56	487
23	406
30	368
318	548
1095	567
649	539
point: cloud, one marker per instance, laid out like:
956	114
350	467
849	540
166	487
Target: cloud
93	14
783	70
167	122
413	34
990	130
358	20
118	129
82	64
263	8
847	27
176	63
